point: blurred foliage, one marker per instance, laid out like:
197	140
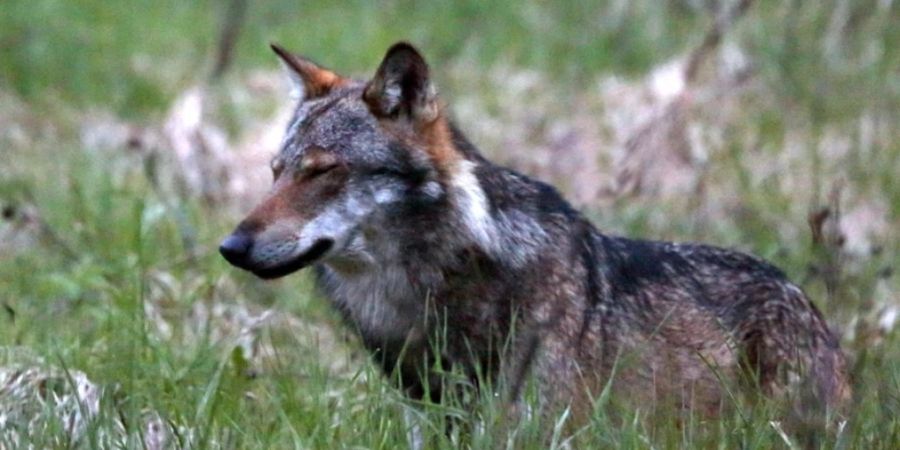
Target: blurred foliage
132	56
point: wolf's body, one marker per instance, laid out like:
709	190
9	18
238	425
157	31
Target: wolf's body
416	238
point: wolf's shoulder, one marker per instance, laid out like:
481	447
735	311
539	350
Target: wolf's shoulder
507	189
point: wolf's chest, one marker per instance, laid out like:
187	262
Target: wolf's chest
383	304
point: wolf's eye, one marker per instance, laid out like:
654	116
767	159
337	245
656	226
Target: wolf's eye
277	167
317	162
314	170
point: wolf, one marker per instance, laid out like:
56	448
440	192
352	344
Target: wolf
415	237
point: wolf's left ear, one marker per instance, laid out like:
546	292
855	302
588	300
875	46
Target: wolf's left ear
402	87
308	79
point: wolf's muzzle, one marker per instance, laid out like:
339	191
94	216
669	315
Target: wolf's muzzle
236	249
320	248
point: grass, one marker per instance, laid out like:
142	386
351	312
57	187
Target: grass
128	56
103	283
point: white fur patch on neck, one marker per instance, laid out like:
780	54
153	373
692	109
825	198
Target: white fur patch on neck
510	235
473	206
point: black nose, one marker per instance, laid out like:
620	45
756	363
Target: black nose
235	248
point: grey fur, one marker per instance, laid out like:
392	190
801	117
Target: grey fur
418	235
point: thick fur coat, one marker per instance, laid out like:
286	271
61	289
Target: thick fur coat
438	257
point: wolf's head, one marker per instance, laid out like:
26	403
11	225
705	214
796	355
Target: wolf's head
356	155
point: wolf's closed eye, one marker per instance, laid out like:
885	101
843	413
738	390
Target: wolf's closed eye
316	162
314	170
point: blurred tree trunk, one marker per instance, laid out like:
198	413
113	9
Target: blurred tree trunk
231	29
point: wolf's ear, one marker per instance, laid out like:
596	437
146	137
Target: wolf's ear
401	87
308	79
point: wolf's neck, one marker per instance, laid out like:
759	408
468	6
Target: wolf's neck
472	208
506	233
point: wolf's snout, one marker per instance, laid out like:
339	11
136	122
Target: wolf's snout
235	248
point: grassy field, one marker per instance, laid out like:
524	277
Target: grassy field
111	288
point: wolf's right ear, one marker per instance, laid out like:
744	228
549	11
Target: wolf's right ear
308	79
401	86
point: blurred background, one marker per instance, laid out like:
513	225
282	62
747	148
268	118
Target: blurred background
134	135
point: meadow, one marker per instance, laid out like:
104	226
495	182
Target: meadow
127	153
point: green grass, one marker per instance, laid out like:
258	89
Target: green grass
128	55
108	243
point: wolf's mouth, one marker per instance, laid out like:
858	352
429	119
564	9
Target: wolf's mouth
315	252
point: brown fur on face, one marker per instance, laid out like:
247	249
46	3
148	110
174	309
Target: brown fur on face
299	195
